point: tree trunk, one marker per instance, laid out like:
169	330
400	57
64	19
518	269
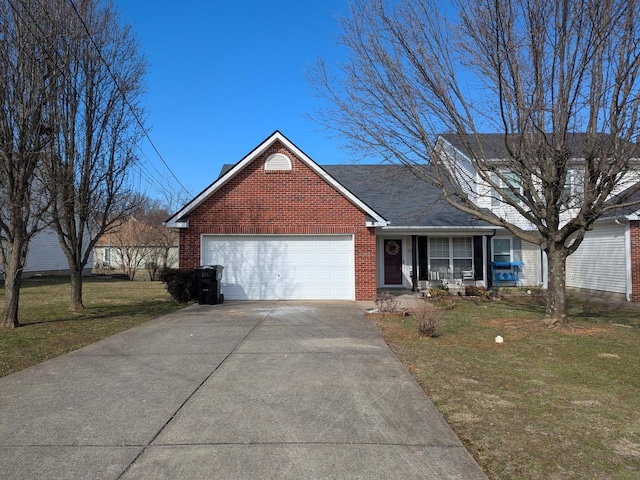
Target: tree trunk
557	291
76	290
13	279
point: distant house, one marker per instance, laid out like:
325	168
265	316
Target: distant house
285	227
134	246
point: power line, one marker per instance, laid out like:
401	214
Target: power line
144	172
124	97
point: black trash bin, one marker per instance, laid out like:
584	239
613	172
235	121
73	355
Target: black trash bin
209	279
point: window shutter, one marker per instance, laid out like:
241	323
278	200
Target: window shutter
495	196
517	249
478	264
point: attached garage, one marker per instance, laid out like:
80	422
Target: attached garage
283	267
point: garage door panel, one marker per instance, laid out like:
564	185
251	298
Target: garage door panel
283	267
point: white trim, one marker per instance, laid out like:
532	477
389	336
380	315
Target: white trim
628	257
173	222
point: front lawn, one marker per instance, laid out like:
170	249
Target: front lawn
50	329
546	403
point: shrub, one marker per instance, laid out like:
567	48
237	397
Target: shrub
427	316
386	303
439	291
473	291
181	283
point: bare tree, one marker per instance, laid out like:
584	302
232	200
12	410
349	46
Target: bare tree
537	72
97	115
162	251
129	241
25	96
142	241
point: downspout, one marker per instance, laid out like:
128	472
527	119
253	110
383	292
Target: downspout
543	269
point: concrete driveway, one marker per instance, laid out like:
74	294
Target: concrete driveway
240	390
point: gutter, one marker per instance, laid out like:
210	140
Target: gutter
478	230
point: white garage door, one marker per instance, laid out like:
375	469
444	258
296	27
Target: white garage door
273	267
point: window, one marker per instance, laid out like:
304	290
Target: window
439	257
509	180
573	189
450	257
107	256
501	249
462	255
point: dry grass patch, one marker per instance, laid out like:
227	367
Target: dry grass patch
546	403
49	329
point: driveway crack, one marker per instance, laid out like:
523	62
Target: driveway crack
190	396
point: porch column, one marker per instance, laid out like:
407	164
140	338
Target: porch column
488	261
414	263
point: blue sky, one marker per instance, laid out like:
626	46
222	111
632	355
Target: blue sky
224	75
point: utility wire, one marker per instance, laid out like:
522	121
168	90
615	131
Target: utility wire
143	171
126	100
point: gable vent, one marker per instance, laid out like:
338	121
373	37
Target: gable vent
277	162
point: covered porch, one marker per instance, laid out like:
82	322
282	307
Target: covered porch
423	259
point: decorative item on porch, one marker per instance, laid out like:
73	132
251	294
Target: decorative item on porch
392	247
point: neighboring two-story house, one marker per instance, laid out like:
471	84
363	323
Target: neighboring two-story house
608	259
46	257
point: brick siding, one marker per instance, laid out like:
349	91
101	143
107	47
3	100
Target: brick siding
282	202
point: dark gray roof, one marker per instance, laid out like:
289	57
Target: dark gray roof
493	145
399	196
633	209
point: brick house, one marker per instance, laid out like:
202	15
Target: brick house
282	228
285	227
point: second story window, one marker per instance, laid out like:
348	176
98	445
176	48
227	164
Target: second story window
507	183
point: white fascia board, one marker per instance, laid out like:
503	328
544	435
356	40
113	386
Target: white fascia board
276	136
377	224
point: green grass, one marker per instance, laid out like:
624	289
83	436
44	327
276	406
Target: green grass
50	329
545	404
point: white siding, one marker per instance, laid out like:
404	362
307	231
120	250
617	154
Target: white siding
600	261
531	275
45	254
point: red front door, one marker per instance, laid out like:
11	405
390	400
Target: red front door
392	262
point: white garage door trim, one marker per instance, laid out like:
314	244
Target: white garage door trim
283	267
